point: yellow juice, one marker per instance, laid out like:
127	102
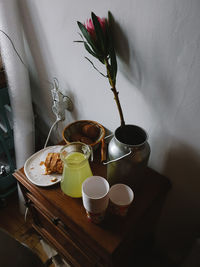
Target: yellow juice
76	170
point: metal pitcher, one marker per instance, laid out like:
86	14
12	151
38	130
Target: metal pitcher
128	155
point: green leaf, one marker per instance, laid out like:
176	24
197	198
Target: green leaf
95	67
94	53
110	18
99	57
90	50
113	61
112	54
87	36
99	32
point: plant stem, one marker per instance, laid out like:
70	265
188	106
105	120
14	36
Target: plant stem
116	97
115	92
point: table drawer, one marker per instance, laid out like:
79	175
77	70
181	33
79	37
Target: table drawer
73	249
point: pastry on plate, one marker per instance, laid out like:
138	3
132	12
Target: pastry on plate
53	163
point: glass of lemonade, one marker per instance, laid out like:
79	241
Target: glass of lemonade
76	167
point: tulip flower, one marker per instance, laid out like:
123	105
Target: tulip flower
97	39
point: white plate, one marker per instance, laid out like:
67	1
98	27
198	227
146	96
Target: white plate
35	172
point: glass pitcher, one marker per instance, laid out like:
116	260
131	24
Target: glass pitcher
76	167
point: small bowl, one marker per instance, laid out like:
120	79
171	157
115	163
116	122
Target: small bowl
71	131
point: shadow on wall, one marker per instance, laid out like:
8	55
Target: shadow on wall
39	51
42	59
179	224
130	69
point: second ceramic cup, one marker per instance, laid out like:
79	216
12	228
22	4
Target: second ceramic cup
121	197
95	197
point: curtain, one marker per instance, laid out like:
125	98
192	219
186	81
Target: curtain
14	60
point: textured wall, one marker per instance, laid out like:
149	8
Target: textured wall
158	44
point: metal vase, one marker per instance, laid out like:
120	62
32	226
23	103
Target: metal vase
128	155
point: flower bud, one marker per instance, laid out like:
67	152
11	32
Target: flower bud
90	27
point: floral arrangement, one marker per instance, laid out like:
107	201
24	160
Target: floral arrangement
97	39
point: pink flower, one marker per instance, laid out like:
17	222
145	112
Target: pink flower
90	27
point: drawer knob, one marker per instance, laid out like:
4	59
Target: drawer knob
27	203
55	220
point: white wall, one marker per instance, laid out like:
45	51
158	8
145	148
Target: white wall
158	46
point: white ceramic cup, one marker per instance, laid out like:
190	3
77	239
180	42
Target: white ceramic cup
95	197
121	196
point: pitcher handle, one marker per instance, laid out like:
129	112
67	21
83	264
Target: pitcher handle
108	136
91	155
113	160
103	150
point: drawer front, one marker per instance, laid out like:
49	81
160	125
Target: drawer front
61	242
67	242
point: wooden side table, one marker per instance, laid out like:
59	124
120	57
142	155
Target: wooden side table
62	222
